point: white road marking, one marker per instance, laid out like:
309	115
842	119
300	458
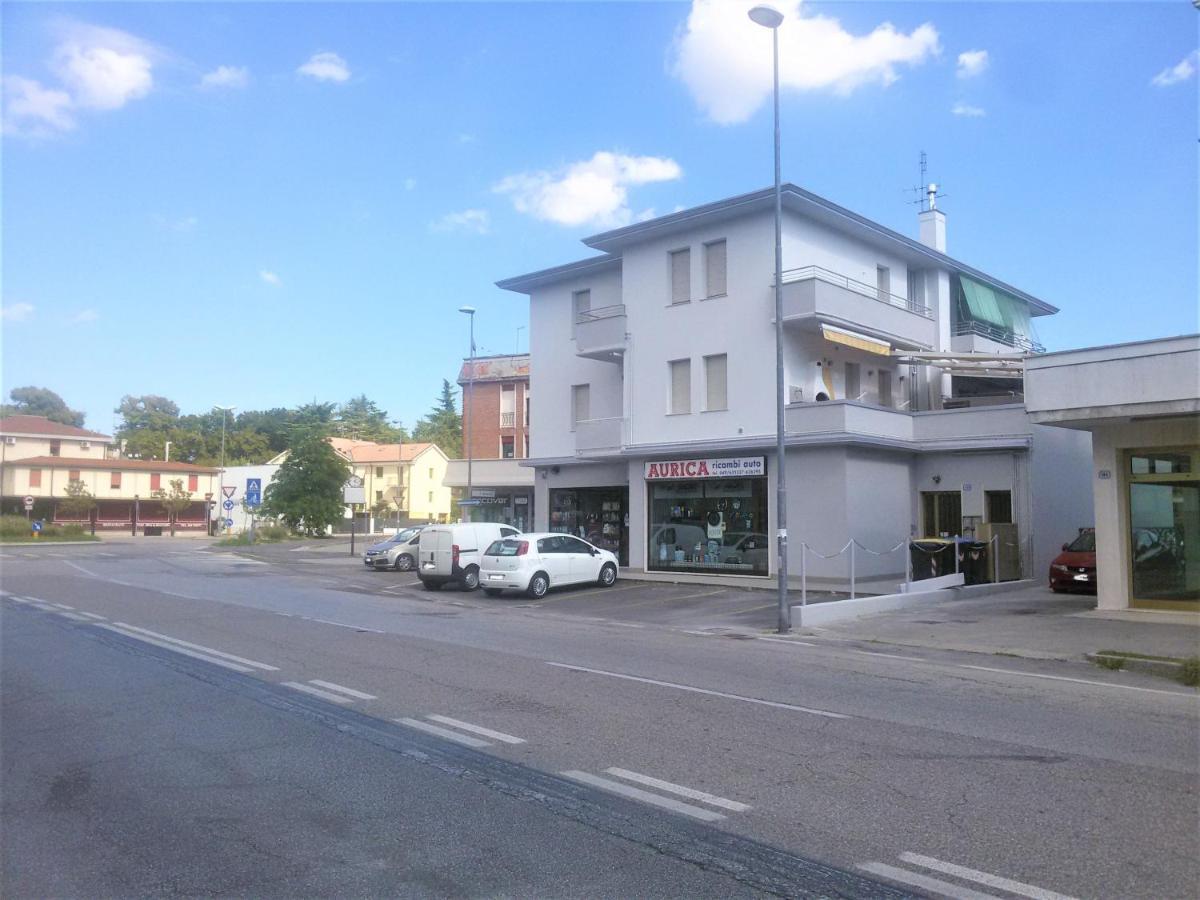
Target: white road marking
60	605
986	878
690	793
81	568
443	732
341	689
699	633
1107	684
696	690
615	787
925	883
21	600
341	624
775	640
477	729
889	655
166	646
317	692
254	664
75	617
626	624
89	615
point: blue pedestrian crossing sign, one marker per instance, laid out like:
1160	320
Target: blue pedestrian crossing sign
253	492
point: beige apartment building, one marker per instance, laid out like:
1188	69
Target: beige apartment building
40	458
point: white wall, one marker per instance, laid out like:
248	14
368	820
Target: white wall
236	476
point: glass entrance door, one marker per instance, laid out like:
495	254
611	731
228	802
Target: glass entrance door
1164	522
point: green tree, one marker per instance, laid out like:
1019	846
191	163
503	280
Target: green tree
442	425
175	501
147	411
306	493
363	420
78	502
38	401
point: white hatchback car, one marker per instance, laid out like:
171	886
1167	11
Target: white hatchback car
534	563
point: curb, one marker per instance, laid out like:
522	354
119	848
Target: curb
1160	667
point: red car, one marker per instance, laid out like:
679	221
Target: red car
1075	568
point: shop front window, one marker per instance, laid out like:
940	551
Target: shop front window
1164	520
709	525
598	515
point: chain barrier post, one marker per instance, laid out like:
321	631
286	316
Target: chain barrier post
852	569
907	566
803	577
995	559
956	537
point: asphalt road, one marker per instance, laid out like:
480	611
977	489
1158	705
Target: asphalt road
605	759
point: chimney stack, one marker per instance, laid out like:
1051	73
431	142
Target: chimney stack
933	226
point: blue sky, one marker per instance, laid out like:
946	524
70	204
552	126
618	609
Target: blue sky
266	204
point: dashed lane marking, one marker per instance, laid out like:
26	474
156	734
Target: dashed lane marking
254	664
672	788
92	616
695	690
444	733
775	640
177	649
925	883
477	729
889	655
317	692
615	787
87	572
342	689
75	617
60	605
985	878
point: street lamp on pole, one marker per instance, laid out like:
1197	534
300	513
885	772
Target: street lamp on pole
399	426
769	17
470	417
224	410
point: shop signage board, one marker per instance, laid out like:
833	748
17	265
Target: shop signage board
484	493
718	467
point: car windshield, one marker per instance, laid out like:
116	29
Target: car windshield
1085	543
506	547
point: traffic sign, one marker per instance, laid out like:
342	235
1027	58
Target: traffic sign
229	523
28	503
37	526
228	504
253	492
229	490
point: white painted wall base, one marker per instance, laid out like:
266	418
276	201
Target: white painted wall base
933	584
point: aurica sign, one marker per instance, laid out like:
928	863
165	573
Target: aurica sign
720	467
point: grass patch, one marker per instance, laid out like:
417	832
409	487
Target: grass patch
1116	663
1189	671
1129	655
15	530
263	534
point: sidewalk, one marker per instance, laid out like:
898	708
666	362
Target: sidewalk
1033	622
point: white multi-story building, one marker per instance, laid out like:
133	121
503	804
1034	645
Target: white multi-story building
654	368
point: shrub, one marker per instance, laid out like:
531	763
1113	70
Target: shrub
1116	663
13	526
1189	671
273	532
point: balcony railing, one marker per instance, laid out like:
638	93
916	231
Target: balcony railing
600	312
508	420
999	335
600	434
870	291
600	332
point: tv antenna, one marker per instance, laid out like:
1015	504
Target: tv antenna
927	193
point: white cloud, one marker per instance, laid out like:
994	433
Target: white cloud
725	59
269	277
593	191
326	67
104	68
226	77
476	221
410	183
1181	71
971	112
35	111
972	63
16	312
83	316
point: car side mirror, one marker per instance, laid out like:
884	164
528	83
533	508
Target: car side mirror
595	552
1065	546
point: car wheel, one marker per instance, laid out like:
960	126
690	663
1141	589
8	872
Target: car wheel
431	585
608	575
404	563
492	592
539	584
470	579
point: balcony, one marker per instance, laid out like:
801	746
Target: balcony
983	337
600	333
600	436
847	422
508	420
813	296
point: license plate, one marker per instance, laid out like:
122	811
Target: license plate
495	578
1081	577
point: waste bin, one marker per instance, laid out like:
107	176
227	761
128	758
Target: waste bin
931	558
974	562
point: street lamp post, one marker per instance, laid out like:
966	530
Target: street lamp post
399	470
771	18
470	417
224	410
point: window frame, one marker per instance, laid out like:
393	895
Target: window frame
671	256
671	406
709	294
708	382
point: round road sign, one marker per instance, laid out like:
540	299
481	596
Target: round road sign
28	502
229	523
228	504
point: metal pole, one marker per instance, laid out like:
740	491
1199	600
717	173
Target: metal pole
995	559
956	554
852	570
136	510
471	417
223	516
785	611
352	524
907	566
803	579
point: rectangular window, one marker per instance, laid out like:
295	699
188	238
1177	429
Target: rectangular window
431	472
709	525
114	481
55	448
35	477
193	482
431	496
581	403
681	386
681	275
885	388
716	394
999	506
853	381
581	304
378	496
714	268
942	513
508	406
916	288
507	448
526	406
379	471
155	481
73	475
883	283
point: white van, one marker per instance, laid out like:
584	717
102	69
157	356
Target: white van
453	552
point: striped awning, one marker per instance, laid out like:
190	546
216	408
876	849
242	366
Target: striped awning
856	340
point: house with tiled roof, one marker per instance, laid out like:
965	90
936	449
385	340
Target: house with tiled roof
40	459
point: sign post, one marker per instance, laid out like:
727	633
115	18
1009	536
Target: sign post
28	506
353	492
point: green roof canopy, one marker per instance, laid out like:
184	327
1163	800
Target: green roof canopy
985	304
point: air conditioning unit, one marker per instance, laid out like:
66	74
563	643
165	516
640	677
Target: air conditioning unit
85	445
10	442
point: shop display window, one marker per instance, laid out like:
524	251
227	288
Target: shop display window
598	515
713	525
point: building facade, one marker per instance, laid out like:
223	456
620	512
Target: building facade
40	459
495	392
654	368
1141	404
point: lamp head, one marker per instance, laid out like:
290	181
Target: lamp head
766	16
469	310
